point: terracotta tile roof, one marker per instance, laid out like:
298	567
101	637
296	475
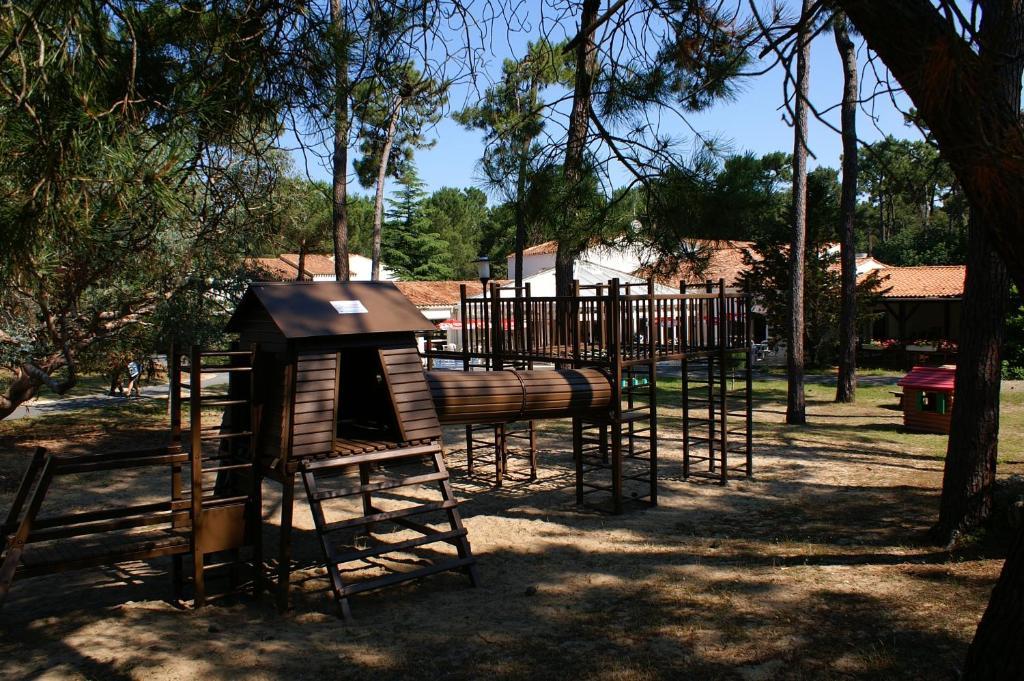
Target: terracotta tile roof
724	260
437	293
925	281
545	248
315	263
273	269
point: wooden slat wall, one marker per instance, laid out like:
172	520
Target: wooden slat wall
316	376
410	395
260	329
924	421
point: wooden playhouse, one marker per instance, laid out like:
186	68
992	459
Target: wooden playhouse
928	398
341	389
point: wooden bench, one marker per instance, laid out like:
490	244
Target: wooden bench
37	544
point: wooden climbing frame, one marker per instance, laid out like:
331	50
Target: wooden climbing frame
626	330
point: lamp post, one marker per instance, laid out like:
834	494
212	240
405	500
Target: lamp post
483	270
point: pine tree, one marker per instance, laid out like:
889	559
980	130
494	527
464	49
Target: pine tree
410	245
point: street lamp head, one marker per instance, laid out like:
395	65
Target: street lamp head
483	269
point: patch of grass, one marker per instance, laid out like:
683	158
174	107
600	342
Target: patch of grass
874	420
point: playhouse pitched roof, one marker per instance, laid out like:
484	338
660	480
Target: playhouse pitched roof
930	378
307	309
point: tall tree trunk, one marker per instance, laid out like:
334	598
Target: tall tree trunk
301	274
796	405
569	245
524	168
378	201
846	386
957	95
974	430
995	652
341	125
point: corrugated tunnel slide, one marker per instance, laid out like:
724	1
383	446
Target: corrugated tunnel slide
467	397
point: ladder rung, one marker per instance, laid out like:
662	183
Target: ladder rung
217	401
224	436
359	554
225	353
400	577
378	486
229	467
389	515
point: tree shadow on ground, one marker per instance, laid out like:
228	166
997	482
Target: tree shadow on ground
780	576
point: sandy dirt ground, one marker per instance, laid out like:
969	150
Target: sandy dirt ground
816	568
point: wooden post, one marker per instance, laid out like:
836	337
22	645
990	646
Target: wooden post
284	557
574	311
709	348
174	396
465	327
528	321
723	321
684	371
577	455
195	457
652	325
748	301
615	357
496	329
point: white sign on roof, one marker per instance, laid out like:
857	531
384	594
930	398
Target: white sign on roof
348	307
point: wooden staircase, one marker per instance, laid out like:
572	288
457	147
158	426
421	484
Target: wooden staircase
388	460
381	472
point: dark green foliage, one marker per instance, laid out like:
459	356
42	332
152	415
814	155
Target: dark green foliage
768	277
457	216
915	212
412	247
133	164
1013	347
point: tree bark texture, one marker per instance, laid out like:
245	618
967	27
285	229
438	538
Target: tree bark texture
962	97
995	653
957	93
796	407
28	379
846	385
576	147
378	201
340	158
974	427
301	274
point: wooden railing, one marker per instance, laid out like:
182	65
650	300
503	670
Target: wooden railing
600	322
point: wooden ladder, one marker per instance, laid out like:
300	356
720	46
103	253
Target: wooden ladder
227	508
321	481
617	453
718	416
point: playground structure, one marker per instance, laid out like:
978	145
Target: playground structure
622	331
332	389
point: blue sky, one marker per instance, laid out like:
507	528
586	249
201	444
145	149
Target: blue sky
751	122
